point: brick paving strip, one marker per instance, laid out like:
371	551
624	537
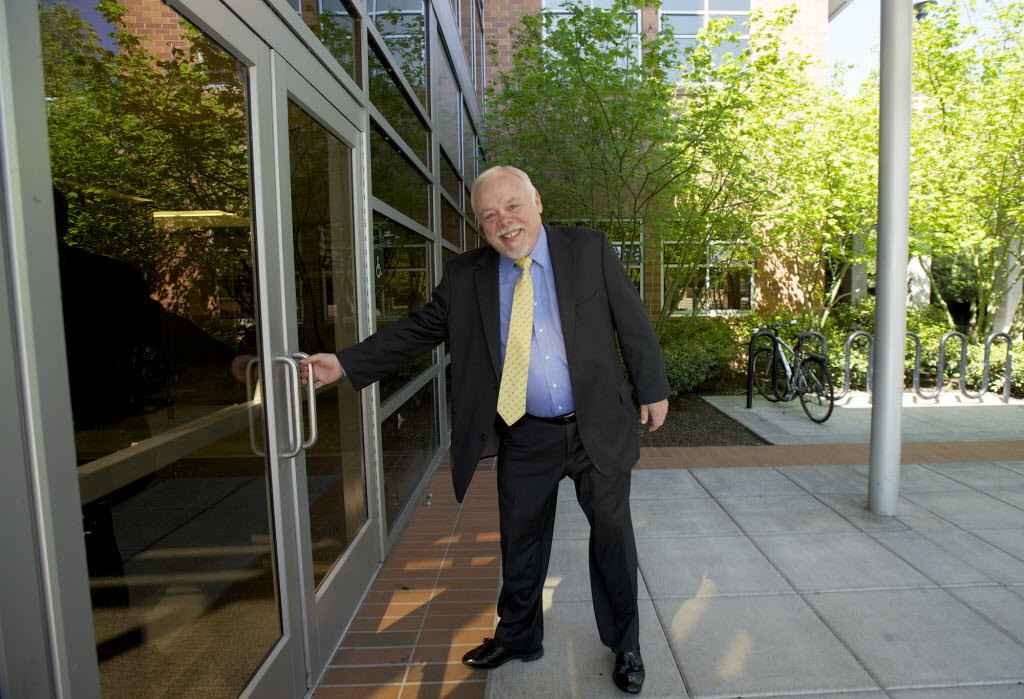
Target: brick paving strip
434	597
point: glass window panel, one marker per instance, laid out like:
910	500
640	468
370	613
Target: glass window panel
480	57
729	5
683	24
450	179
336	25
150	160
403	26
397	5
737	23
409	438
395	181
729	289
401	285
447	110
451	224
466	22
388	97
323	235
473	239
682	6
729	49
468	139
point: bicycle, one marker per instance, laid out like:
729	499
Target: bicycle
784	373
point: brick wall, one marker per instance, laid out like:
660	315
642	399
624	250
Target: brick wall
158	24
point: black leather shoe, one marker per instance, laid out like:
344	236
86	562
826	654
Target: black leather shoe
629	671
490	655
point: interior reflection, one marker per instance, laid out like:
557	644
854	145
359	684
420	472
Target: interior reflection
150	158
324	245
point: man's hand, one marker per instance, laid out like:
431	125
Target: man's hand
326	369
656	412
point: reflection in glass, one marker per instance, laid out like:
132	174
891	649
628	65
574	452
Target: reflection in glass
402	24
448	108
409	440
337	26
468	146
401	286
324	240
395	181
450	180
150	160
451	224
388	97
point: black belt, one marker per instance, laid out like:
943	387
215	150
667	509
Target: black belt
556	420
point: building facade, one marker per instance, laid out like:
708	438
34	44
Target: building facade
196	192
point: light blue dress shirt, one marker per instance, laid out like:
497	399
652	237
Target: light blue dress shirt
548	390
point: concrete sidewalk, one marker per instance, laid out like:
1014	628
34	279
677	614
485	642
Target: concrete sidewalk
950	419
761	573
776	581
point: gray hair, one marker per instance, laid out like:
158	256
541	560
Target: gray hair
498	170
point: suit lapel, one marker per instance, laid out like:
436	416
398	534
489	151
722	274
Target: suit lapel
485	279
563	262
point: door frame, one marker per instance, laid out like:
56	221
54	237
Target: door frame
329	610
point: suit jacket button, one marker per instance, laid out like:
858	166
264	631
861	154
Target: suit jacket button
483	437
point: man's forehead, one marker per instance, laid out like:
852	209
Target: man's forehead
488	200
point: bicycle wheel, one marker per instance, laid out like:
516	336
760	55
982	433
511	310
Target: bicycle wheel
769	376
816	389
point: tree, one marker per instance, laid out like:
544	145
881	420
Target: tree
590	116
967	192
627	134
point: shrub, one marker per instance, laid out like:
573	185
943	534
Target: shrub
698	350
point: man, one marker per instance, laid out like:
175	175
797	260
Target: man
533	324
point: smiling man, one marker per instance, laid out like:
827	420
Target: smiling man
535	323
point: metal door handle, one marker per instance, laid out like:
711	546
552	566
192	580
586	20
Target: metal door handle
295	406
314	433
250	395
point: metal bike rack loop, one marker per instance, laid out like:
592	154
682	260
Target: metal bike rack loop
940	368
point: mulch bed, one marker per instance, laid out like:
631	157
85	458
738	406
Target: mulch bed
693	423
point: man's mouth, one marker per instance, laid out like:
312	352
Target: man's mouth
509	235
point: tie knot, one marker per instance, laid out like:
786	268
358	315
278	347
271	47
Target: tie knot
524	263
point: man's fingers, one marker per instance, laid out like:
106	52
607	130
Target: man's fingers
657	411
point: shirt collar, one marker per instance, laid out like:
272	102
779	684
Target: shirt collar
540	255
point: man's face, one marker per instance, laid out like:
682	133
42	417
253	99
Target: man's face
509	213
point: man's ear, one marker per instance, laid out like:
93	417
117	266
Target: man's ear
536	197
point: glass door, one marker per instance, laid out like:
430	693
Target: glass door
322	220
168	307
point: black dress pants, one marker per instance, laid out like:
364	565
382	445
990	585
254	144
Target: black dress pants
533	457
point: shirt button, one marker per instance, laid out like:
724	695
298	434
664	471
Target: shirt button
554	385
559	407
547	356
540	330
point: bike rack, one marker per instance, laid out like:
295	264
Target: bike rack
940	369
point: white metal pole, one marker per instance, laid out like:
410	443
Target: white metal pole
891	282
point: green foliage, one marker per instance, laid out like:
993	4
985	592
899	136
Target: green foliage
968	130
131	134
697	351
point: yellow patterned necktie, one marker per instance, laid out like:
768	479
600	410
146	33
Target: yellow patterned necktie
512	394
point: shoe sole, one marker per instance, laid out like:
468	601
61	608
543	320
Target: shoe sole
525	658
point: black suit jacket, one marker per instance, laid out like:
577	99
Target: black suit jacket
600	310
